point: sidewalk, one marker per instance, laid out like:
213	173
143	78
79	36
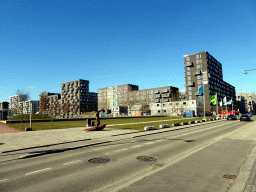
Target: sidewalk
32	139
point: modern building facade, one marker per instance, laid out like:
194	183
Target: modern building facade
175	108
202	69
26	106
74	100
129	95
14	103
246	102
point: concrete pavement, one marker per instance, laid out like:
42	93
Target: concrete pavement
244	181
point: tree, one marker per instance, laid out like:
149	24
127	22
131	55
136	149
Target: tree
22	96
66	108
144	106
44	102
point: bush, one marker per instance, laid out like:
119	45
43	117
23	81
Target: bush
185	123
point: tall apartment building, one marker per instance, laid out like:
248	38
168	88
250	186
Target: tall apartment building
129	95
74	100
14	103
203	69
25	106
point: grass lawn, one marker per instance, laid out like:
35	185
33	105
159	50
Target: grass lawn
73	124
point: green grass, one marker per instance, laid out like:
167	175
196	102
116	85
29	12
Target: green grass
26	117
73	124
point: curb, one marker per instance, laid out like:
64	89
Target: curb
95	138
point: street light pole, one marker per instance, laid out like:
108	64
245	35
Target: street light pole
248	70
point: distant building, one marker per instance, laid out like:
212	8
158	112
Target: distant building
128	95
74	100
202	69
182	95
176	108
14	103
246	102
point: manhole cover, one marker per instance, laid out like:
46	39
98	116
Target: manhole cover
146	158
98	160
229	176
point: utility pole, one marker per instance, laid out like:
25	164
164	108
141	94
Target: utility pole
30	113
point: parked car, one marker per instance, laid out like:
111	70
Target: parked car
245	117
231	117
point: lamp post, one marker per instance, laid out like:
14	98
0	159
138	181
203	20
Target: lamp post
248	70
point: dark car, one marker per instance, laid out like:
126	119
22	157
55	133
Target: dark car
231	117
245	117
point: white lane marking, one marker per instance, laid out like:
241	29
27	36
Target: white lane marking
120	150
38	171
190	152
149	143
3	180
72	162
136	146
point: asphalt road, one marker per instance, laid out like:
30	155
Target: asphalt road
193	159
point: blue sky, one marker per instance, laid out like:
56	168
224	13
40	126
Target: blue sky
115	42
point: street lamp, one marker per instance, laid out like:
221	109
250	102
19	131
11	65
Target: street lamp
248	70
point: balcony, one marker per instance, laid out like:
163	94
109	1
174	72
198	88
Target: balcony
165	100
189	64
197	73
166	95
156	91
191	84
157	100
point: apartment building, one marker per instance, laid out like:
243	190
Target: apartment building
25	106
74	100
182	95
129	95
14	103
175	108
246	102
202	69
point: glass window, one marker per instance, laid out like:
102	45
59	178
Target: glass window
197	61
189	88
198	76
190	97
189	78
199	81
188	73
125	90
197	56
190	92
188	68
187	58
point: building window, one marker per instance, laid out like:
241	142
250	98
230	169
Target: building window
199	82
189	78
120	88
188	73
197	61
192	102
190	92
184	103
170	103
190	97
187	58
189	88
188	68
197	56
152	104
199	76
157	105
158	111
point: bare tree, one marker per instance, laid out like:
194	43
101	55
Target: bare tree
144	106
66	107
22	96
44	102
